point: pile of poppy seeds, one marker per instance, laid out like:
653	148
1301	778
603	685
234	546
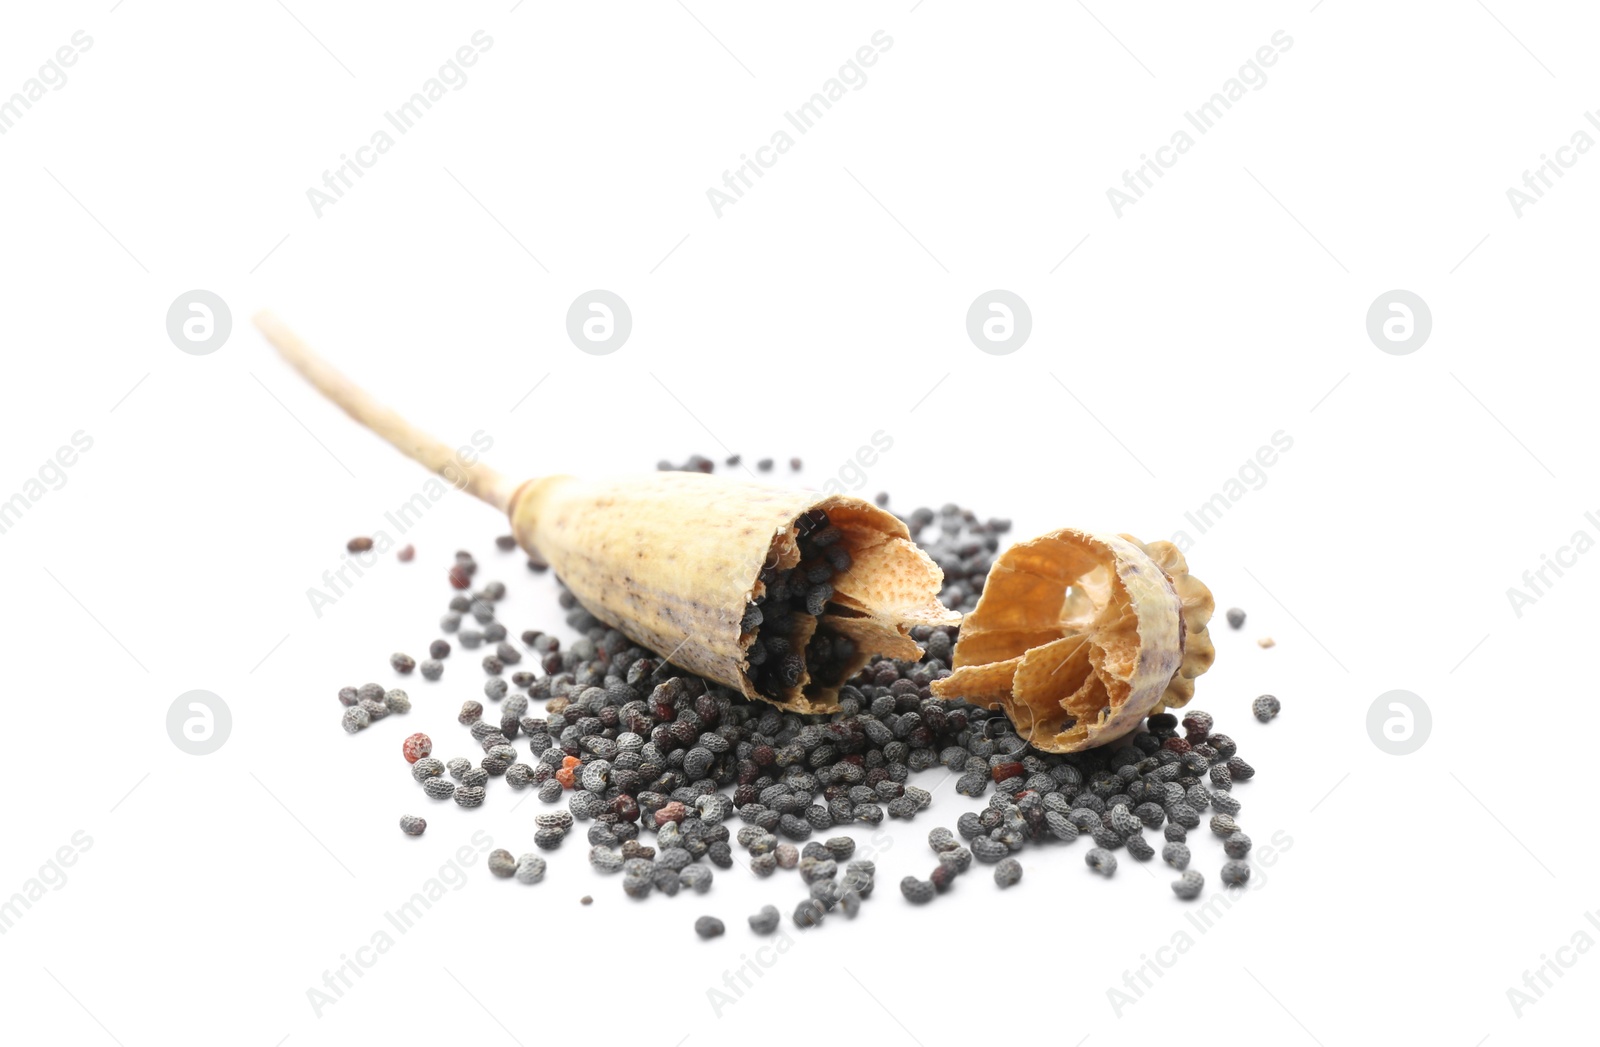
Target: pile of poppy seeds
638	749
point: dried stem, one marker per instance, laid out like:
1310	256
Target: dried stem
476	478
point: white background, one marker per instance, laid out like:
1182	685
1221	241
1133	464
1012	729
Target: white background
1167	346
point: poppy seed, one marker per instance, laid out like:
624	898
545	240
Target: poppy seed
1189	885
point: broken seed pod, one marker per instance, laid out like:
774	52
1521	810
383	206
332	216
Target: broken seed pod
673	559
1079	636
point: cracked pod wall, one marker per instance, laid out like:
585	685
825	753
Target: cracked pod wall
673	560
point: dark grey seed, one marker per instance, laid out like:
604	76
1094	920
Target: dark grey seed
369	692
1235	617
1176	855
1265	707
1085	819
708	927
1123	822
1140	848
439	788
1107	839
470	795
402	663
501	863
825	893
1237	845
840	847
411	825
1235	873
942	839
554	820
476	777
1241	771
1101	861
1188	885
431	669
808	913
765	921
988	850
1008	872
495	688
1175	832
1060	826
354	719
530	868
917	892
697	878
427	767
1225	803
1223	825
550	790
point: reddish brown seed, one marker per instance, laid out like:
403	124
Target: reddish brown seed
459	577
672	812
1002	771
1177	745
406	554
416	747
359	545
